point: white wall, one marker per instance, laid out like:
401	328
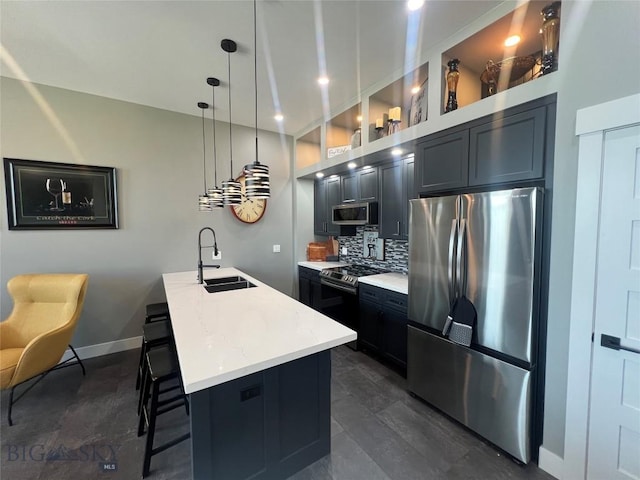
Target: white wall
158	157
599	48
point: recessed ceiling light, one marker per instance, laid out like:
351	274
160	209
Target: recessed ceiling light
396	152
278	117
352	165
359	118
415	89
414	5
323	80
319	174
512	40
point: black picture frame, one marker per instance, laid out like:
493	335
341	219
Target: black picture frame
51	195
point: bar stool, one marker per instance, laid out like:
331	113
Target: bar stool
156	311
162	366
153	334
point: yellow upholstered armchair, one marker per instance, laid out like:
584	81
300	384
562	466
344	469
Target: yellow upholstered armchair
34	337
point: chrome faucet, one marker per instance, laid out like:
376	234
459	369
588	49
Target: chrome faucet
200	247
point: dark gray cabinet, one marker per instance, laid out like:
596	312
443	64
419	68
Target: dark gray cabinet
396	189
309	291
263	426
349	191
383	324
443	162
368	183
505	148
359	186
326	194
508	149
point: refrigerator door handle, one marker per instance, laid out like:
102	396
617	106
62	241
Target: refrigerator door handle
451	273
460	275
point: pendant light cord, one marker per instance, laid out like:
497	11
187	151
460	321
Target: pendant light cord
215	158
255	71
230	141
204	156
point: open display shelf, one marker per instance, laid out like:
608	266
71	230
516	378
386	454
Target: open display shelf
488	67
399	97
343	132
309	149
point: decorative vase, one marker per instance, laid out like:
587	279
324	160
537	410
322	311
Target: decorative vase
356	138
550	35
452	84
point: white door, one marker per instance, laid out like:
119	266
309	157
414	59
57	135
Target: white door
614	420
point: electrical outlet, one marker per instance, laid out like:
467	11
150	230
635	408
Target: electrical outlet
218	256
276	249
343	251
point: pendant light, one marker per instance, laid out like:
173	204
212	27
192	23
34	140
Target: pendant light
203	200
231	189
256	174
214	193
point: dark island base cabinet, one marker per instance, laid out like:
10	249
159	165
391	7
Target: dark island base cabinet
383	325
264	426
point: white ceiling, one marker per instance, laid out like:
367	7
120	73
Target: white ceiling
159	53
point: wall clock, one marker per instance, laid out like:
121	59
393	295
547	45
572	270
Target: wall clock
251	209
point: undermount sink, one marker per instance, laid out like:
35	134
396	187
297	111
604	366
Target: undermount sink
217	281
225	284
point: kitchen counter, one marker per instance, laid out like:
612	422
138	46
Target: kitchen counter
223	336
257	367
322	265
396	282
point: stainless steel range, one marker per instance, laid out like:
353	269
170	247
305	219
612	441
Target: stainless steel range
340	294
346	278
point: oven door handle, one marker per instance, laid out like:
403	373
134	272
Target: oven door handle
337	286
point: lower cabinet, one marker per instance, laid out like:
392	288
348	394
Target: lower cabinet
308	282
383	324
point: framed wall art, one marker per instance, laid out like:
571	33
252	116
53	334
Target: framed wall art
418	107
48	195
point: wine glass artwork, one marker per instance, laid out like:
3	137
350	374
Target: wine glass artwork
55	186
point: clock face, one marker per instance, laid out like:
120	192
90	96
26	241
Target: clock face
251	209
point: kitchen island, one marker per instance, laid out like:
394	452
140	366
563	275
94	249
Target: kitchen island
256	366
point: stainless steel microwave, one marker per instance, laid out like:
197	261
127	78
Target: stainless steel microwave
355	214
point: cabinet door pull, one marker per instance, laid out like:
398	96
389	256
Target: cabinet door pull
398	228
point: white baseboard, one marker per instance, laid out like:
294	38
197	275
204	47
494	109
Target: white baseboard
104	348
550	463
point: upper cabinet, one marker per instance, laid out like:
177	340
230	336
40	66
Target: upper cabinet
442	162
359	185
507	147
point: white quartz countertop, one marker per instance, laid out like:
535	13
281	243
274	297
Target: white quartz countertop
391	281
223	336
321	265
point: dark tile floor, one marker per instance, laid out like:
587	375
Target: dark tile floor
70	426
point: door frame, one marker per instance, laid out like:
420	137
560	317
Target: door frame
591	126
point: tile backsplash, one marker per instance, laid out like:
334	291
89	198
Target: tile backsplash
396	252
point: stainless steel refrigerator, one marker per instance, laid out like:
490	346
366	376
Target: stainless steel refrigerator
484	246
